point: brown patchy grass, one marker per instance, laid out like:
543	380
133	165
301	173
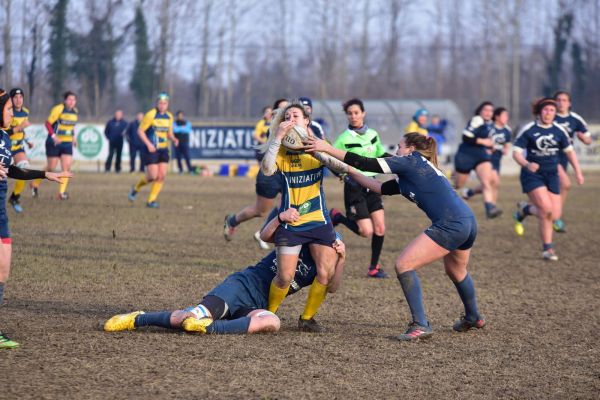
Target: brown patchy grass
70	274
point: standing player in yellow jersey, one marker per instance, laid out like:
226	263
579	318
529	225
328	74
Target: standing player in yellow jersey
301	180
155	131
16	132
61	139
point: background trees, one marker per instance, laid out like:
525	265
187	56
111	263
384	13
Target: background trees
230	58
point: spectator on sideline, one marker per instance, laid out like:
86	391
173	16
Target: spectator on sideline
114	132
437	129
417	124
182	130
135	143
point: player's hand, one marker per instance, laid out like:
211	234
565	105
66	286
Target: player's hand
29	144
579	178
340	248
284	128
176	142
74	142
289	215
56	140
3	172
533	167
151	148
57	176
315	144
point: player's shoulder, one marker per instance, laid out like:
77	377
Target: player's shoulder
150	113
25	110
560	127
526	128
508	129
57	108
476	121
170	114
578	117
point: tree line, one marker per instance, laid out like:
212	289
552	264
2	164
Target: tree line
229	58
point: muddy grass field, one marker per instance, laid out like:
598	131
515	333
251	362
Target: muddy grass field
76	263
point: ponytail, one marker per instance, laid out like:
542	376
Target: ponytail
426	145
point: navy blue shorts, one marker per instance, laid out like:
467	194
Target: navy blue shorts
63	148
467	160
4	231
563	160
496	160
324	234
159	156
267	186
533	180
240	295
454	234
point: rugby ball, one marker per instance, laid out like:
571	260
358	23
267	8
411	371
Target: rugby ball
293	139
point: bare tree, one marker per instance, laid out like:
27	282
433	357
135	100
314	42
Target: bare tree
7	43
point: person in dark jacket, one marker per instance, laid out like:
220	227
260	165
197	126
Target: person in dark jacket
114	132
135	142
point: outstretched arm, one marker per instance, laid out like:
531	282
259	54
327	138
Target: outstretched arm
377	165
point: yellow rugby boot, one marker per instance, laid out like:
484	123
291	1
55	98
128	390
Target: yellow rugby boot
196	325
122	322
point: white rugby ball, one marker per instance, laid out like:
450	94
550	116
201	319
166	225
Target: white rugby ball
293	139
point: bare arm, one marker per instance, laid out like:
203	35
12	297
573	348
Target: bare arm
572	157
370	183
268	232
333	164
585	138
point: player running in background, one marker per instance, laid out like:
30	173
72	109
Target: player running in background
261	129
418	122
543	140
450	237
155	131
575	125
364	208
501	135
267	188
61	139
300	177
475	153
238	304
16	132
9	170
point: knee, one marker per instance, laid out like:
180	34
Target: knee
565	184
365	232
379	229
283	279
264	321
402	267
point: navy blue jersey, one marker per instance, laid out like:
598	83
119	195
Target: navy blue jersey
259	276
543	144
500	136
572	123
477	128
317	130
422	183
5	154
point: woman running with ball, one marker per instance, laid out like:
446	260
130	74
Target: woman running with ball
301	180
450	236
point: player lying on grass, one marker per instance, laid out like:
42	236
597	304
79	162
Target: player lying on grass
238	304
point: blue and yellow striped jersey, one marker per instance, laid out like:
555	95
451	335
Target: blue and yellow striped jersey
17	138
157	127
302	188
63	122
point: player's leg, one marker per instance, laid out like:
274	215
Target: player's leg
541	207
377	215
495	185
150	162
484	173
157	184
325	259
5	261
260	208
287	259
565	187
455	265
65	164
421	251
460	179
20	160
